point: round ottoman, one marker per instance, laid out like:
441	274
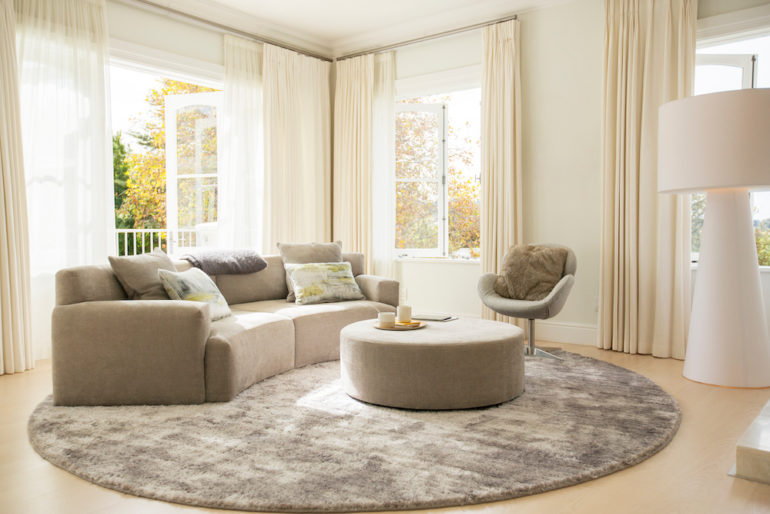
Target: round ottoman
447	365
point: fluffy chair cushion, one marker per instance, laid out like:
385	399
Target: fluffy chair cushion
530	272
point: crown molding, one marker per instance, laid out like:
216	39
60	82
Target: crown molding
733	25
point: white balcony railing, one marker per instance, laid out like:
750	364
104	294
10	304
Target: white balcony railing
135	241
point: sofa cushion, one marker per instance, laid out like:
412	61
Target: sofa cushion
138	274
194	285
87	284
317	327
323	282
304	253
245	348
268	284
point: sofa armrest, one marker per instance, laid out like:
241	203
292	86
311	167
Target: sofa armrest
379	289
129	352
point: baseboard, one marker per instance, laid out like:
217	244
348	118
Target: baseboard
559	332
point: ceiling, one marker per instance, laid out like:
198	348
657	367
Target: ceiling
337	27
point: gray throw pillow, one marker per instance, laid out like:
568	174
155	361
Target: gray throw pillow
196	286
304	253
530	272
138	274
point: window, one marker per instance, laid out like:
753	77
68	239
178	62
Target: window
165	159
725	67
438	175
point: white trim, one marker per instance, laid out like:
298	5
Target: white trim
733	26
562	332
148	59
455	79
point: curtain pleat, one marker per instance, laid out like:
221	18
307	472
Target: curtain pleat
63	58
649	55
353	124
501	193
15	327
240	215
297	135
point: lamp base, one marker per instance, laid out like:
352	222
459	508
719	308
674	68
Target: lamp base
728	342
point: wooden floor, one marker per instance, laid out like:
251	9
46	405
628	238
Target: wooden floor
688	476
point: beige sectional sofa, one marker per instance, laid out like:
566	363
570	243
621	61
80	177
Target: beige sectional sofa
108	350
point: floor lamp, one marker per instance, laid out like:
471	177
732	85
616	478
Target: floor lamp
720	143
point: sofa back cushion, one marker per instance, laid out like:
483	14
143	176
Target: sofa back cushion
87	284
270	283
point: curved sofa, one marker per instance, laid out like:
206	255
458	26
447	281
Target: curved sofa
108	350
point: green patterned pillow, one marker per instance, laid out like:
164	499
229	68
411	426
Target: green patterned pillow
194	285
321	282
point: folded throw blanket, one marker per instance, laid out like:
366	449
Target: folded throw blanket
226	262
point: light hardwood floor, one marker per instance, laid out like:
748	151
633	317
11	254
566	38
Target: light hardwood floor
688	476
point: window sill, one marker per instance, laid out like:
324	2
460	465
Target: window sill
438	260
762	269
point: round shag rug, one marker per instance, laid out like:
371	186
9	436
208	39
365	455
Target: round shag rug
296	442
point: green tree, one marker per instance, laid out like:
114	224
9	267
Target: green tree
120	167
145	195
697	209
762	238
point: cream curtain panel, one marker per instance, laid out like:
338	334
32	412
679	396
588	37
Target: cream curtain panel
15	327
383	167
297	128
649	58
240	214
364	140
63	57
353	124
501	195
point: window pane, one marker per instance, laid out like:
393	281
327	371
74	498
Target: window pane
712	78
760	206
417	222
418	136
197	201
196	127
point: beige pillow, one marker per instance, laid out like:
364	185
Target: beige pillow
530	272
304	253
138	274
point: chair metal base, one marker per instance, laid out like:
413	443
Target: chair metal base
534	351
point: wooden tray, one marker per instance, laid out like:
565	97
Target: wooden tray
399	326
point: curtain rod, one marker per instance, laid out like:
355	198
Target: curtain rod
224	28
428	38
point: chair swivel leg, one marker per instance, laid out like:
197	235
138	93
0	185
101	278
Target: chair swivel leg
532	350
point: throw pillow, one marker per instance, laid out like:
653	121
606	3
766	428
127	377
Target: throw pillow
303	253
323	282
530	272
138	274
194	285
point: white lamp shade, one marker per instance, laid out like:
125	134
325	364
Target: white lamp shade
721	140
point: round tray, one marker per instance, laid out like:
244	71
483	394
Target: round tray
411	326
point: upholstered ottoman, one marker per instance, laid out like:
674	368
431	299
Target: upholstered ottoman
447	365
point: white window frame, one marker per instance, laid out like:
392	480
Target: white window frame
442	208
745	62
173	104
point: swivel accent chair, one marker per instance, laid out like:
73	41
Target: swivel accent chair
546	308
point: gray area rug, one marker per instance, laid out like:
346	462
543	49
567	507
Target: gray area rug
296	442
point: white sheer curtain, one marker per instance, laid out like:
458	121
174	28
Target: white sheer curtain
501	194
353	110
62	52
15	326
297	131
649	59
384	155
240	215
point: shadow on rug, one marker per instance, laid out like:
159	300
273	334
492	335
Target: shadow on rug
296	442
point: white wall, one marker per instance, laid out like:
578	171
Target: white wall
153	29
